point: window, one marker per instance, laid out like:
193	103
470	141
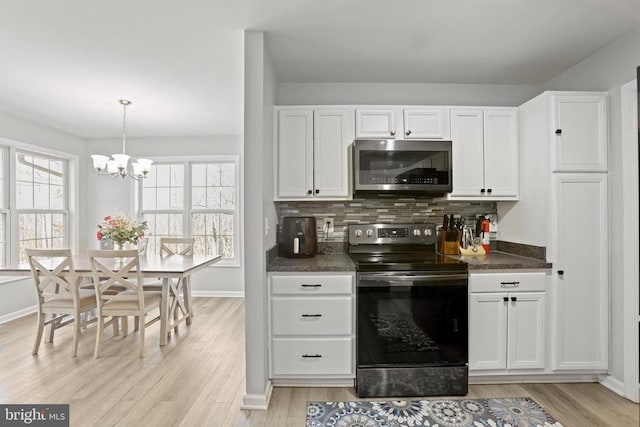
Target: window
193	198
40	202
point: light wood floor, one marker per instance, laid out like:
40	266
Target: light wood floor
198	379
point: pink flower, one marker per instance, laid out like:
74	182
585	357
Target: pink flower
99	235
107	218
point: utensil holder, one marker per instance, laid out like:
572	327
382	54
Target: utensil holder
449	247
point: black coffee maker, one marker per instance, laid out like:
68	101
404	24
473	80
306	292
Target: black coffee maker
298	237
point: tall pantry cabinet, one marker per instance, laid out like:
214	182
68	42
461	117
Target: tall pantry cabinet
563	184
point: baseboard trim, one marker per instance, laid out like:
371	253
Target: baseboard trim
218	294
541	378
17	314
613	384
258	402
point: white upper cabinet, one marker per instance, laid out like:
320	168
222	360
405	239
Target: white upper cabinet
402	123
376	123
485	153
501	152
467	146
294	170
332	134
424	123
312	153
579	133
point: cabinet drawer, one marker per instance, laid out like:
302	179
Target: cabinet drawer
512	282
310	285
312	356
311	316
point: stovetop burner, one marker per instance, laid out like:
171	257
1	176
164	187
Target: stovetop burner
424	261
398	247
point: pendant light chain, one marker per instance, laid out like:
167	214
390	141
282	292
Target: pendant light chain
124	103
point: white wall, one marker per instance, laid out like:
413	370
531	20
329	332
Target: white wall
259	97
110	196
607	70
19	295
405	93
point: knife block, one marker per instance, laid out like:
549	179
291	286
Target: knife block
449	247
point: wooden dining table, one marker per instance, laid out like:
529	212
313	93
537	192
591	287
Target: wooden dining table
175	272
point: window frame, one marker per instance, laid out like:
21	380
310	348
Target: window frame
71	197
188	211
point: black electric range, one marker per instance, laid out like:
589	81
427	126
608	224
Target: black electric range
411	315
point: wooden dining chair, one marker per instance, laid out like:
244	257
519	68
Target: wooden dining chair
107	273
175	246
58	294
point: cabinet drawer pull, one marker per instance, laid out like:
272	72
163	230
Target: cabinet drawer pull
509	284
304	285
514	299
312	315
505	299
313	356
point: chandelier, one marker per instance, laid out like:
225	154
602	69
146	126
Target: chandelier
118	165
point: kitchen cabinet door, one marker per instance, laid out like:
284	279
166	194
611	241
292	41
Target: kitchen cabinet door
579	133
526	331
332	134
376	123
425	123
579	256
487	331
294	168
501	152
467	145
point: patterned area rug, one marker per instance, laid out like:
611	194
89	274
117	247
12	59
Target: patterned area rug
507	412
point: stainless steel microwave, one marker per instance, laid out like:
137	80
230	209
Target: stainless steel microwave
401	167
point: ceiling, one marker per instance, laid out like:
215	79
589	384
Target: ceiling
64	64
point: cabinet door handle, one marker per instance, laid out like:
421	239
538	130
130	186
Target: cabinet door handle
317	191
514	299
312	315
489	190
558	131
313	356
407	133
482	190
560	272
509	284
505	299
393	133
304	285
309	192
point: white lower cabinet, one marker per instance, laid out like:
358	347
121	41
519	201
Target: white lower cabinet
311	328
507	321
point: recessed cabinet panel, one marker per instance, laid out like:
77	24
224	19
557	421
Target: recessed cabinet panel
375	123
424	123
333	132
580	133
581	292
487	331
312	316
312	357
526	330
295	153
468	152
501	152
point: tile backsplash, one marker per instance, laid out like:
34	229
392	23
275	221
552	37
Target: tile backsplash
391	211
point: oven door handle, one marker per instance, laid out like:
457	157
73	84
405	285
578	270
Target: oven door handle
387	280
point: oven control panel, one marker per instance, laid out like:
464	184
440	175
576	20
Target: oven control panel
360	234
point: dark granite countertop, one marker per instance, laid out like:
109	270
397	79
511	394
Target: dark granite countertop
331	262
496	260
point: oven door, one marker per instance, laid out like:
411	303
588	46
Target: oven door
411	319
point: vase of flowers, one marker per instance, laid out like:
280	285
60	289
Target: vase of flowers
119	230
